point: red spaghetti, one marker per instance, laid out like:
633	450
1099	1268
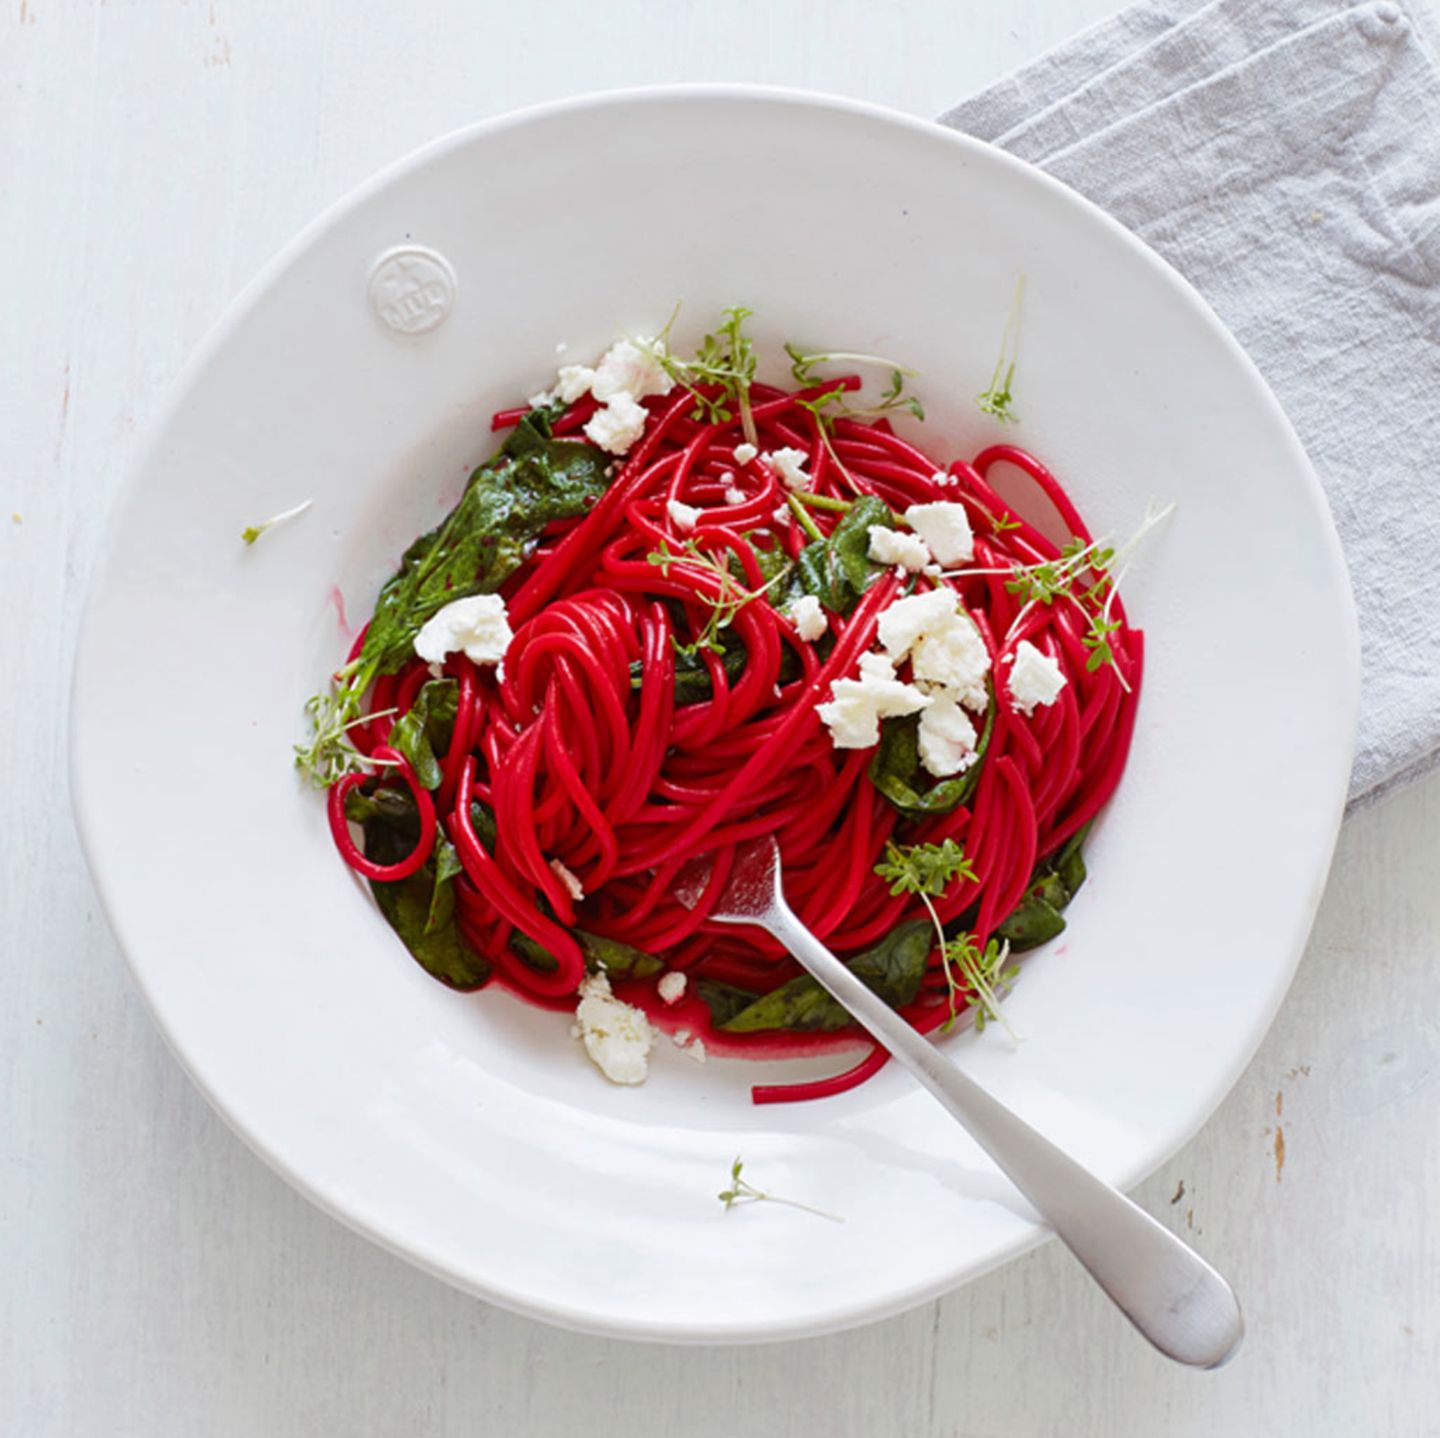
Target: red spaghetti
590	752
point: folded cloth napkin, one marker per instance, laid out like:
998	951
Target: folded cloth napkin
1284	155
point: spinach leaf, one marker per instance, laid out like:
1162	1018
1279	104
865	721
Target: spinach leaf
532	480
421	909
439	950
533	952
837	570
1069	863
1038	917
482	820
617	958
896	771
427	726
724	1000
442	897
394	808
893	968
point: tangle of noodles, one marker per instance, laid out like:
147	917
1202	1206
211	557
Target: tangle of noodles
585	754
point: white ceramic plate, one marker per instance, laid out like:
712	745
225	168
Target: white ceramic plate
469	1133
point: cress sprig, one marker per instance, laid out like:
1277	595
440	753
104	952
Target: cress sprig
726	359
731	596
927	870
742	1191
997	398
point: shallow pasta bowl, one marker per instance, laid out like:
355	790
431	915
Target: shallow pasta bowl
469	1134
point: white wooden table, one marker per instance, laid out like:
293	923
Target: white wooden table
155	1279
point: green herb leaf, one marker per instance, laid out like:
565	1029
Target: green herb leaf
532	480
923	868
893	969
442	896
426	727
741	1190
837	570
997	398
723	1000
617	959
896	771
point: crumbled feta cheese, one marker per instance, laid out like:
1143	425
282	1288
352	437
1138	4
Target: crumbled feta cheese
808	618
904	621
617	1036
630	369
954	658
573	886
947	737
682	516
671	986
478	626
744	453
876	666
539	401
790	466
618	425
573	381
781	514
1034	679
890	546
734	496
945	528
857	706
943	477
561	347
693	1048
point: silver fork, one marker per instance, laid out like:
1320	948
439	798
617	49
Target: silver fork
1163	1287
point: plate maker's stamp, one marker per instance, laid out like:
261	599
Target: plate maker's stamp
412	289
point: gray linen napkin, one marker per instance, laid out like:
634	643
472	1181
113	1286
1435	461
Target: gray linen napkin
1284	155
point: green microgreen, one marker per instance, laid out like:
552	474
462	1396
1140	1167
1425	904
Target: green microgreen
254	531
725	361
726	600
997	398
741	1190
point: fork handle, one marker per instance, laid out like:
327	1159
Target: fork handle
1164	1288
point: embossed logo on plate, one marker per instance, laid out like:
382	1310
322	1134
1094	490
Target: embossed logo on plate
412	289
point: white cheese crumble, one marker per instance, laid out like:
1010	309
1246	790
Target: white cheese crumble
789	465
904	621
857	706
618	425
695	1049
781	514
477	626
947	737
573	381
808	617
671	986
876	666
744	453
630	368
617	1036
573	886
954	658
943	477
945	528
1035	678
734	496
890	546
683	516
